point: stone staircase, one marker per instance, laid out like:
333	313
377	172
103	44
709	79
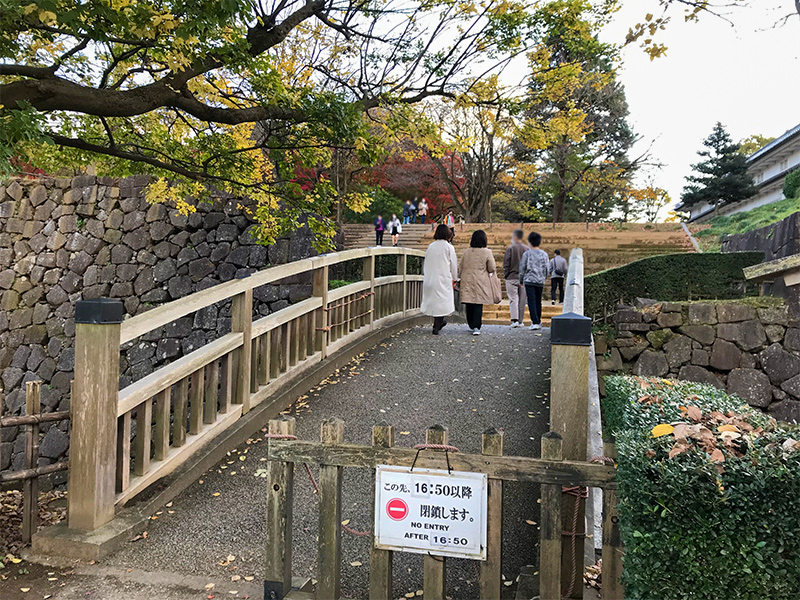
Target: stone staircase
498	314
605	246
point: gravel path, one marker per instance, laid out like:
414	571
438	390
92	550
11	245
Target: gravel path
412	380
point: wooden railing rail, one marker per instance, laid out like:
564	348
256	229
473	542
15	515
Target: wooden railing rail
153	425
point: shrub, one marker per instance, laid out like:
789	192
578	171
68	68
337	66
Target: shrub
671	277
709	501
791	184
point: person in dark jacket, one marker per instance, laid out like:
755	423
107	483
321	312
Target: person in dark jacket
407	210
380	229
558	271
514	289
533	274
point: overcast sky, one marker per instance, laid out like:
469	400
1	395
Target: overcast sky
747	76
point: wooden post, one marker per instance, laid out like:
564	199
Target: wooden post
195	402
550	526
320	290
181	412
161	439
278	548
380	561
329	558
402	268
226	384
368	274
492	445
30	487
93	447
242	320
275	353
212	393
571	339
612	544
123	452
435	579
144	427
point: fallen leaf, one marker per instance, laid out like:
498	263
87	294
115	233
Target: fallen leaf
24	590
405	432
233	592
355	563
529	522
249	578
731	428
209	586
410	594
694	413
346	522
717	456
215	494
508	583
662	429
236	578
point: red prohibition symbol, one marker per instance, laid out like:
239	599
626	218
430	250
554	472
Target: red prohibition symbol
397	509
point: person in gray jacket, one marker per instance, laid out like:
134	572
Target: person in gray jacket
533	267
558	270
514	287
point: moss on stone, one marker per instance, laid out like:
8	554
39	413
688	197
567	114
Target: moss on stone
659	337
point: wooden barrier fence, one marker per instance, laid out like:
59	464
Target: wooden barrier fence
29	475
125	440
331	454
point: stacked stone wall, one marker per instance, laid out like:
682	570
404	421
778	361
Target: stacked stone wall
747	350
63	240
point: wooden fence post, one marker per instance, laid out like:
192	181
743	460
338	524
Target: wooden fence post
278	548
30	487
435	579
242	320
368	274
492	445
380	561
550	526
320	290
612	545
402	269
329	558
571	338
93	443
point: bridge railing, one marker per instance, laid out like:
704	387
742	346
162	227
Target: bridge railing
125	440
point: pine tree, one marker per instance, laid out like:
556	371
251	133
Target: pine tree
722	176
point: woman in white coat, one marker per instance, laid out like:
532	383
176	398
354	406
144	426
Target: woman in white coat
441	270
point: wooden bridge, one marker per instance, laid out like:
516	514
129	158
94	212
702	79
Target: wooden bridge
144	444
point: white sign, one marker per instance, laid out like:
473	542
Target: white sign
430	511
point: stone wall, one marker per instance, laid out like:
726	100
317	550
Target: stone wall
750	351
778	240
63	240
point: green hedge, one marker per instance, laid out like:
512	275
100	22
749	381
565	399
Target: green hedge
671	277
694	528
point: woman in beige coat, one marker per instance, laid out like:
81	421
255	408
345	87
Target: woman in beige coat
477	266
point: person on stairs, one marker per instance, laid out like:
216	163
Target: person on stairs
396	228
422	210
380	229
558	270
476	269
533	273
514	289
407	210
440	272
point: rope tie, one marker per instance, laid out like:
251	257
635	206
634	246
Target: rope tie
447	449
579	492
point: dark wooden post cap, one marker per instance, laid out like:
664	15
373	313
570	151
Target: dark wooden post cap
99	311
571	329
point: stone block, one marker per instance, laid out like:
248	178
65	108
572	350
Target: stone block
779	364
748	335
634	350
774	333
610	361
700	358
144	281
725	356
786	410
628	316
750	385
137	239
774	316
749	361
199	268
702	333
659	337
791	386
80	262
671	319
729	312
620	326
241	257
651	363
678	351
54	444
792	339
700	375
671	307
702	314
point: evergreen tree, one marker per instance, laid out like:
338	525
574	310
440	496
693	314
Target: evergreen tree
721	177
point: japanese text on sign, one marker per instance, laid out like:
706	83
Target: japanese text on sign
430	511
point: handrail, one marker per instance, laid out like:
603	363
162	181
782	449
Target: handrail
573	294
166	313
127	439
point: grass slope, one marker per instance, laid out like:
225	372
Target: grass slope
710	238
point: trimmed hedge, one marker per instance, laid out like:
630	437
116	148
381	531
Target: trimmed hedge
720	519
671	277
